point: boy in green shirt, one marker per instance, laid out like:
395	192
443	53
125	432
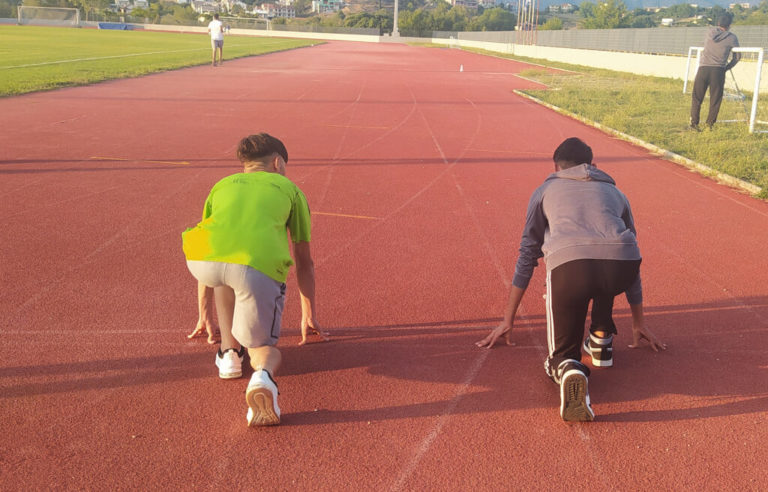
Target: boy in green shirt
240	256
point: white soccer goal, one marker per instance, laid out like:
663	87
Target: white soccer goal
752	117
48	16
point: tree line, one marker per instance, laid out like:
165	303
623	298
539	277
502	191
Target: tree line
613	14
421	17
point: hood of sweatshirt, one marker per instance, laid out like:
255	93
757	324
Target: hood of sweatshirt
582	172
717	35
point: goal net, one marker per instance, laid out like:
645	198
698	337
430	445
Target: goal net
48	16
741	94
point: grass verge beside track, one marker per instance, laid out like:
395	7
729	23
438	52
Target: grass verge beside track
41	58
655	110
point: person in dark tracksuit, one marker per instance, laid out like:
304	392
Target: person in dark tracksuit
713	66
582	225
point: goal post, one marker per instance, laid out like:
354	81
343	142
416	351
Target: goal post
48	16
695	51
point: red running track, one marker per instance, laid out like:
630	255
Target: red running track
418	175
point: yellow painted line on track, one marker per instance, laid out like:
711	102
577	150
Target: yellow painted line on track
347	215
96	158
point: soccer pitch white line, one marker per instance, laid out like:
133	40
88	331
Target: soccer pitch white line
75	60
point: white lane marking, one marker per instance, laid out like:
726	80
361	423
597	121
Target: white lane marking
426	443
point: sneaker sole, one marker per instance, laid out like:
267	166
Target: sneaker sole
230	375
574	398
260	402
595	361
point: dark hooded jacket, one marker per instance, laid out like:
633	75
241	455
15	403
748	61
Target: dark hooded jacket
577	213
717	48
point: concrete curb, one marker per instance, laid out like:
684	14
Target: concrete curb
663	153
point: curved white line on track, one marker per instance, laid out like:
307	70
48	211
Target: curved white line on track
329	177
486	242
426	443
426	187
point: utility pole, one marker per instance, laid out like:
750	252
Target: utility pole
395	32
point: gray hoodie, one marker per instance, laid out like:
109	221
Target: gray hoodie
717	47
577	213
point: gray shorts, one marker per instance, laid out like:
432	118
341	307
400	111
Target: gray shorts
259	300
217	43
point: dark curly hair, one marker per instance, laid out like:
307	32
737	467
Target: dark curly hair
254	148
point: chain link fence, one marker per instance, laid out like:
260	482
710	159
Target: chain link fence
655	40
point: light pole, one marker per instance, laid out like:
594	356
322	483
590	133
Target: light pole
395	32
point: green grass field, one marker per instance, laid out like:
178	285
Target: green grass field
40	58
656	111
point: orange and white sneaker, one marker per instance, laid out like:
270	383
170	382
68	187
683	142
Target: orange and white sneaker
261	397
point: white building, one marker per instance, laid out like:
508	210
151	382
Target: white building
203	7
471	4
271	10
562	7
327	6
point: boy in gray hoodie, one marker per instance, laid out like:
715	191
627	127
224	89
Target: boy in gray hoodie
713	65
583	227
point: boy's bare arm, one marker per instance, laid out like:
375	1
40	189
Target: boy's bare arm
305	275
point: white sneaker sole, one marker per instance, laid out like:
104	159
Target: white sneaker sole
574	398
261	407
230	375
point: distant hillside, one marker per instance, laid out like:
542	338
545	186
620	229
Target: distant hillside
634	4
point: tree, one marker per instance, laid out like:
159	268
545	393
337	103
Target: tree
640	21
91	6
758	15
680	11
302	7
552	24
495	19
608	14
415	22
7	9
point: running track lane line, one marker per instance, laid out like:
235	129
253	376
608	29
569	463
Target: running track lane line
329	176
426	187
426	443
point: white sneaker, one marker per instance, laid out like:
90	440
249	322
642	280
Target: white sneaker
230	363
261	397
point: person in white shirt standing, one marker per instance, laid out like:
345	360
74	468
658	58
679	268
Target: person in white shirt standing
216	30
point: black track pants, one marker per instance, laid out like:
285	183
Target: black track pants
714	78
570	288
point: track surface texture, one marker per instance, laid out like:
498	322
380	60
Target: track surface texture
418	175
